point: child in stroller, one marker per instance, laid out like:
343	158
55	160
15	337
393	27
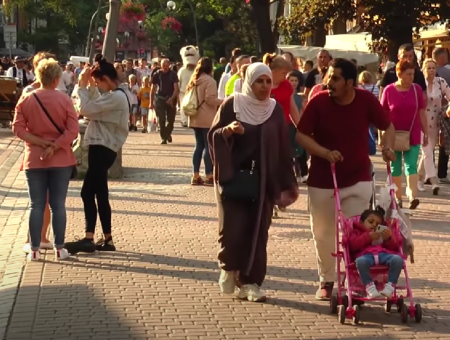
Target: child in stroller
371	243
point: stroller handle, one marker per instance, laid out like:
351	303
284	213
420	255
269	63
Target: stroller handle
391	187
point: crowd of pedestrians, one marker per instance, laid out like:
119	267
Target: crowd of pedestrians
261	127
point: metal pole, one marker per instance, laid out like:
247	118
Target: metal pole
88	42
10	45
109	45
195	22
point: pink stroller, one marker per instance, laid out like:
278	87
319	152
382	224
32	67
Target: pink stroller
351	292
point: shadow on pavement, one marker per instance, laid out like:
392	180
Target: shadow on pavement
66	312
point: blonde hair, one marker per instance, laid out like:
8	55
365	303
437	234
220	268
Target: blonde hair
41	56
144	79
131	77
276	62
47	71
365	77
426	61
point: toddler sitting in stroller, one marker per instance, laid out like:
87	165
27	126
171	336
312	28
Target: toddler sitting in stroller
371	243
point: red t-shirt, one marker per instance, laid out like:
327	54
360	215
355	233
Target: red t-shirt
283	94
345	129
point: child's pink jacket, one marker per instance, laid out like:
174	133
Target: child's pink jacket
360	243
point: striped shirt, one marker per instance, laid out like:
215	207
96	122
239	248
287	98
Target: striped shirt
372	88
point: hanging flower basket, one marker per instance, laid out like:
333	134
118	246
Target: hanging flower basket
132	10
171	23
141	35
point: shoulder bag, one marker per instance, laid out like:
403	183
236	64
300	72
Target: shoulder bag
244	186
402	138
190	102
74	168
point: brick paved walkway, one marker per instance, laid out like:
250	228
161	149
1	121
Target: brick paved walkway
161	283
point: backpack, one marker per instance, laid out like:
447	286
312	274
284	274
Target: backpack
190	102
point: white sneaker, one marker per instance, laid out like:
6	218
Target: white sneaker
61	254
252	293
388	290
304	179
372	291
33	255
44	245
421	186
227	282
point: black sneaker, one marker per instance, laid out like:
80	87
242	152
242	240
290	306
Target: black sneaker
105	245
84	246
163	142
169	139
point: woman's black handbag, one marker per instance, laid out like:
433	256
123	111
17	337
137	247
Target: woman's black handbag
243	187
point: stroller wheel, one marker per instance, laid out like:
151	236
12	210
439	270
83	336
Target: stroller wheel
388	306
418	313
334	304
345	301
400	303
404	313
357	314
341	314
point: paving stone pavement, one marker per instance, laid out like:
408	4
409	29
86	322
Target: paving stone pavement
162	281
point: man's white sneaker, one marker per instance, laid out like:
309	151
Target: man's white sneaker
33	255
421	186
252	293
227	282
388	290
61	254
372	291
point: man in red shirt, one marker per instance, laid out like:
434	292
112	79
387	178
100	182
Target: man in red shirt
334	129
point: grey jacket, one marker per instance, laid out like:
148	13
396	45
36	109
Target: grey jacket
108	116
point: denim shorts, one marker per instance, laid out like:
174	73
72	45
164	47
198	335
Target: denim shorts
144	111
134	109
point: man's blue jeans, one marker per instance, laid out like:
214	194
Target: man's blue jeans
55	182
394	262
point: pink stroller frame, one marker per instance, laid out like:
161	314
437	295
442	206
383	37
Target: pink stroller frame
351	292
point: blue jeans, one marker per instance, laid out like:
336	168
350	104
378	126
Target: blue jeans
201	148
394	262
55	182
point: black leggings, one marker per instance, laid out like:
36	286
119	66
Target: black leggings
95	185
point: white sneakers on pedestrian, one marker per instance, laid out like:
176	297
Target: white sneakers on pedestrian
421	186
227	282
44	245
61	254
33	255
388	290
252	293
372	291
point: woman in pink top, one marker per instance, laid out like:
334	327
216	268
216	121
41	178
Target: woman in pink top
404	102
49	159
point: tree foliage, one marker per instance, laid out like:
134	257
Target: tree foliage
390	21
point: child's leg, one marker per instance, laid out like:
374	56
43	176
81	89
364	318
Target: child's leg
395	264
363	264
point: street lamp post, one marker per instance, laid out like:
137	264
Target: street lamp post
88	42
171	6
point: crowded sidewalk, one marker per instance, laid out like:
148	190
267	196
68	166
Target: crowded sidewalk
161	283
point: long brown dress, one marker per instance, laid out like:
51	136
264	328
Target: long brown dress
244	226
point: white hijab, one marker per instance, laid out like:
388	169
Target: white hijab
249	109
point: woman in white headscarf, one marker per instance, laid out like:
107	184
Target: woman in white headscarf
250	150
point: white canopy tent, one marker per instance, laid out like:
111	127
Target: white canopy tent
310	52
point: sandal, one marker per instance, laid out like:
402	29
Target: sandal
197	181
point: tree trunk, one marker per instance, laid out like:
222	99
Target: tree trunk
319	36
280	13
109	51
261	10
339	26
401	35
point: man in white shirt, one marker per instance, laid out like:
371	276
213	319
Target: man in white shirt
19	71
68	78
143	69
225	77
